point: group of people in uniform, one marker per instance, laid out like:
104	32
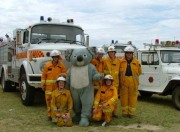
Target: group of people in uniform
121	80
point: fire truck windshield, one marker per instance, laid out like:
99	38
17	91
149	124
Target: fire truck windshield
49	33
170	56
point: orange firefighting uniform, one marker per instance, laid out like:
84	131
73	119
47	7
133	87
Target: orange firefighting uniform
48	79
112	67
129	86
99	64
105	95
61	103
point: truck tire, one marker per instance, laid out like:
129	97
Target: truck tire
26	91
145	94
176	97
6	85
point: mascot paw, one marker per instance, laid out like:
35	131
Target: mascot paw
84	122
98	77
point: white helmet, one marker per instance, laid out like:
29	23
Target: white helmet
109	77
100	50
111	48
129	49
61	78
55	53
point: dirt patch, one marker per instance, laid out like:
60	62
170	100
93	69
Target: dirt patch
114	128
141	127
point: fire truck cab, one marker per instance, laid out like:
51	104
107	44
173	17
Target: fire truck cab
23	57
161	70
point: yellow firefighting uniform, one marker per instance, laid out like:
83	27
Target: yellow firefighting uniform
48	79
61	103
129	86
99	64
112	67
105	95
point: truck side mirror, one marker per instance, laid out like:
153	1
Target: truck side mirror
1	39
92	51
87	40
19	42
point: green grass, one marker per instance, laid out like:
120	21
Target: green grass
153	114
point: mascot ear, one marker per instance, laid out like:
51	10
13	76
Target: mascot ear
92	51
68	54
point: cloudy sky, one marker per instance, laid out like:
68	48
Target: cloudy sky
139	21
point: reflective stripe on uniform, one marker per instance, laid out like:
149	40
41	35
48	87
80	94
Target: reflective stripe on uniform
112	99
96	102
48	108
135	77
42	81
122	75
116	72
60	109
50	81
48	92
54	109
69	109
107	71
132	108
96	87
107	110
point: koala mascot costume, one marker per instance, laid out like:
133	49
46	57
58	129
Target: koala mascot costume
79	80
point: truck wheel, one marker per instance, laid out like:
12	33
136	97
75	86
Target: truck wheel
6	85
145	94
176	97
27	92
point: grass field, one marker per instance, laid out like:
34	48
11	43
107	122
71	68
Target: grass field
154	114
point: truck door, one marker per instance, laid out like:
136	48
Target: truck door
152	75
22	44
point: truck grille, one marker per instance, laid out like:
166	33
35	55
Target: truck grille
33	78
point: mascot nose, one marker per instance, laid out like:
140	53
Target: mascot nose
80	58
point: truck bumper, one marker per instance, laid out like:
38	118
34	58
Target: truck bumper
34	80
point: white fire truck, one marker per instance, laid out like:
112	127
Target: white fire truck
23	57
161	70
120	48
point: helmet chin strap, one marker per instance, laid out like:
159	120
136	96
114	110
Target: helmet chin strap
60	89
55	62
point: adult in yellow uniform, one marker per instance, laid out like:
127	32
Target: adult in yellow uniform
130	69
111	66
61	104
98	62
105	100
49	75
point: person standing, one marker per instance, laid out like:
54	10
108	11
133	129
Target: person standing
111	66
104	101
98	62
130	70
61	104
48	79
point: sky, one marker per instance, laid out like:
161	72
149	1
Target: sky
139	21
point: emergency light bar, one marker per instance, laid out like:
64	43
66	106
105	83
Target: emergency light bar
156	41
170	43
41	18
70	21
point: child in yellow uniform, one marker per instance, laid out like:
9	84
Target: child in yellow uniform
61	104
105	101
